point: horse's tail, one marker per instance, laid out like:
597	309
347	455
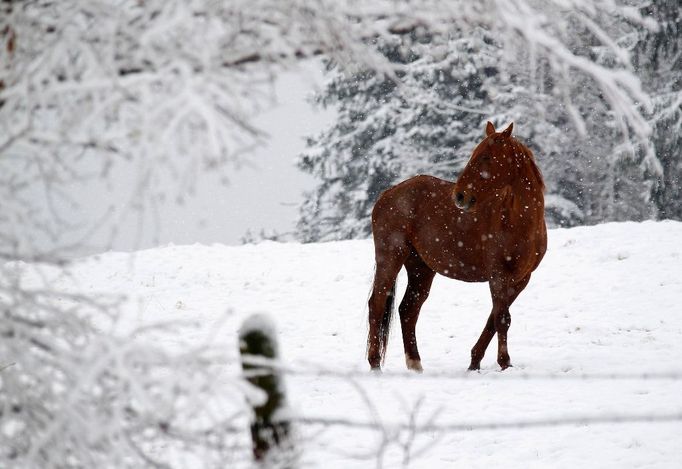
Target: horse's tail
385	328
385	324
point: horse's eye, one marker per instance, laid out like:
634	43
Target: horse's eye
485	174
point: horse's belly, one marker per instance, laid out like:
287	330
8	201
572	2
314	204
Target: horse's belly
465	276
456	263
465	273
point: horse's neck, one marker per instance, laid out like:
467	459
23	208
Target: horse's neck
528	193
521	205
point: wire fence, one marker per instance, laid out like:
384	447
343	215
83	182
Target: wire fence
321	371
404	430
353	376
505	425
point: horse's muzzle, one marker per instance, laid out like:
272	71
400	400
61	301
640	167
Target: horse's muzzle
463	202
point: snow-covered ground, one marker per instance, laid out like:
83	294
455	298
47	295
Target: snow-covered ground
605	300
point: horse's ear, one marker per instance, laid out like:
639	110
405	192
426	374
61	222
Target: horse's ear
506	133
489	129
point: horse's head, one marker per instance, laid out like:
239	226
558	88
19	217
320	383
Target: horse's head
496	164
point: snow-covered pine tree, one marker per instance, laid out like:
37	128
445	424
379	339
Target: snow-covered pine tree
613	172
596	164
430	123
386	132
658	58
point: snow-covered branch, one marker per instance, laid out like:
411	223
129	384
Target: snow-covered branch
77	393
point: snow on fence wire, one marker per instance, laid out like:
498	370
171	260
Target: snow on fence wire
515	424
265	367
312	369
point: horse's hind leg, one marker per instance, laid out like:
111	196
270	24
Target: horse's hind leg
389	260
499	321
419	280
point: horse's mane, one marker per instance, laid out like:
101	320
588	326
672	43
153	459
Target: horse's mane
520	149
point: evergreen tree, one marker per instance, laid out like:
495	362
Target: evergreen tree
387	132
658	58
596	165
429	123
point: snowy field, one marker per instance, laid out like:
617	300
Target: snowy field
605	300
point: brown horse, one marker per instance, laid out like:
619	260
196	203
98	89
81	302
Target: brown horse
489	226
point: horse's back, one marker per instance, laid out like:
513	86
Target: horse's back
402	209
401	203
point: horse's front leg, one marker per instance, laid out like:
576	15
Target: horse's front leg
503	294
478	351
502	320
498	321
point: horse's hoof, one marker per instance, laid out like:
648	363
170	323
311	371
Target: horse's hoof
414	365
504	366
475	366
375	370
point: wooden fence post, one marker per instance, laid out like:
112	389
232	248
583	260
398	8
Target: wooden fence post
270	425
